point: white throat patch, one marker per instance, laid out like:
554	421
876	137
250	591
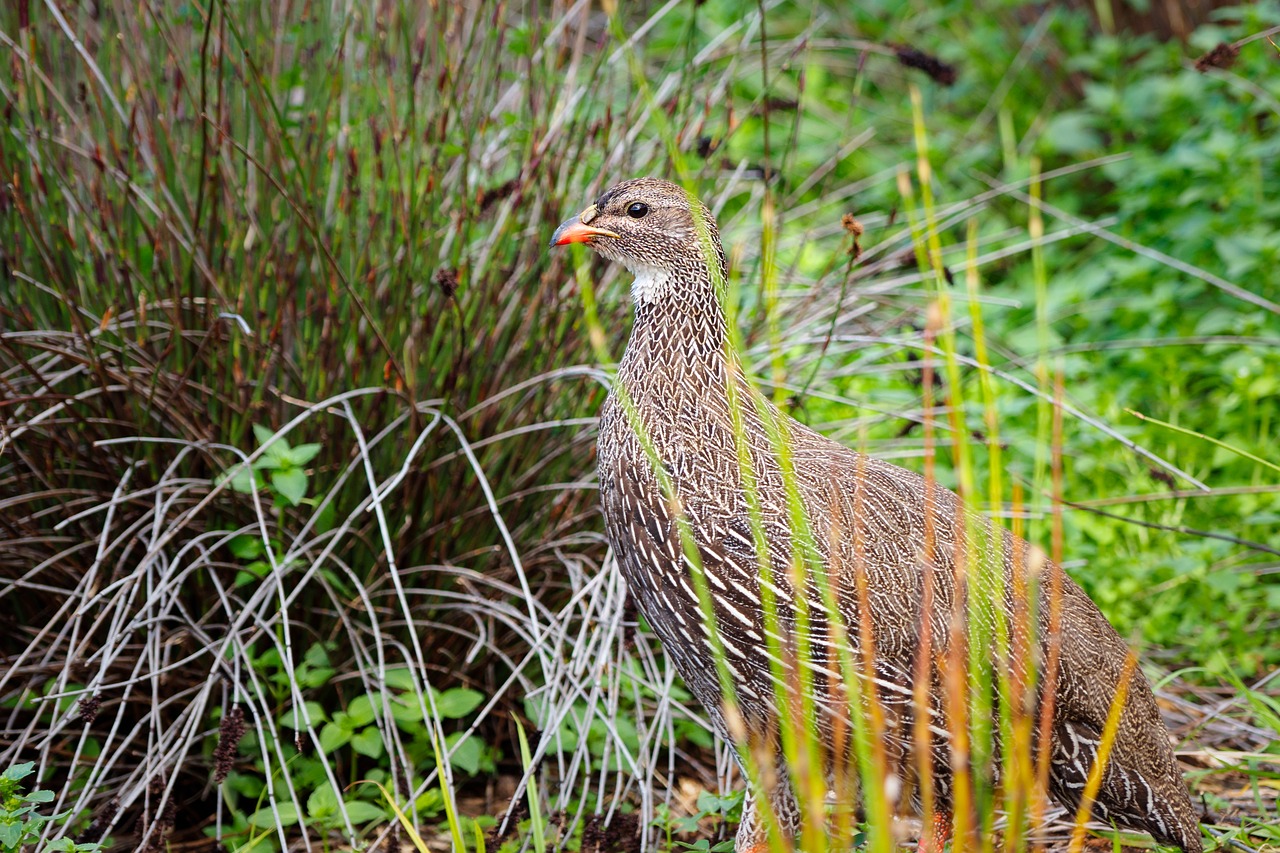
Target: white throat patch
651	284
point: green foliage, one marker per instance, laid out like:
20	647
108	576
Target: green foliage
1146	337
615	741
285	467
352	742
1192	181
719	809
20	821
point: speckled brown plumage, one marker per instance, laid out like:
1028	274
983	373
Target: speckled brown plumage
674	386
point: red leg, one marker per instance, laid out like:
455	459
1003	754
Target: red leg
935	834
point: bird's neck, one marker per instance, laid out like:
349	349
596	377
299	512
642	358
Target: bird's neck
680	336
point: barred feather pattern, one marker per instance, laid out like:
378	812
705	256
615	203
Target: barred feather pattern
868	522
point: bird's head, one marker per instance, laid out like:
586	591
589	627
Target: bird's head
655	229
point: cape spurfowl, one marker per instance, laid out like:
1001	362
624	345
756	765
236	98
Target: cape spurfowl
698	471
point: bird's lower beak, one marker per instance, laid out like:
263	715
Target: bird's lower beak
576	231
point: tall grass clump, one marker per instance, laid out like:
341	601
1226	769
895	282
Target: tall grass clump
297	415
292	397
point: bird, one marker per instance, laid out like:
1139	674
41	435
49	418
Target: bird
700	479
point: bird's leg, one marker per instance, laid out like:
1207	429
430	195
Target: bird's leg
752	836
754	831
936	833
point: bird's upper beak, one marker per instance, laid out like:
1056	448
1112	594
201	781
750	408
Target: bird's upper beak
579	229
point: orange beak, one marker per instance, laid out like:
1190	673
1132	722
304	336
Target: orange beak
577	230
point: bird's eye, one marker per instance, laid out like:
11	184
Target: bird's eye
637	210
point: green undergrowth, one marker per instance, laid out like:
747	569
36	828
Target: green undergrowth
1184	171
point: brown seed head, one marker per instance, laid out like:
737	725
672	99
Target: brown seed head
855	229
1222	56
940	71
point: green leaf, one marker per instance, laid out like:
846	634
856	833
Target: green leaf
334	736
264	434
246	547
315	713
303	453
457	702
361	811
1071	133
399	677
1273	597
318	676
689	823
39	797
245	480
467	755
368	742
291	483
247	786
266	819
325	518
361	711
11	834
406	711
323	802
275	458
18	772
258	568
317	655
431	803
